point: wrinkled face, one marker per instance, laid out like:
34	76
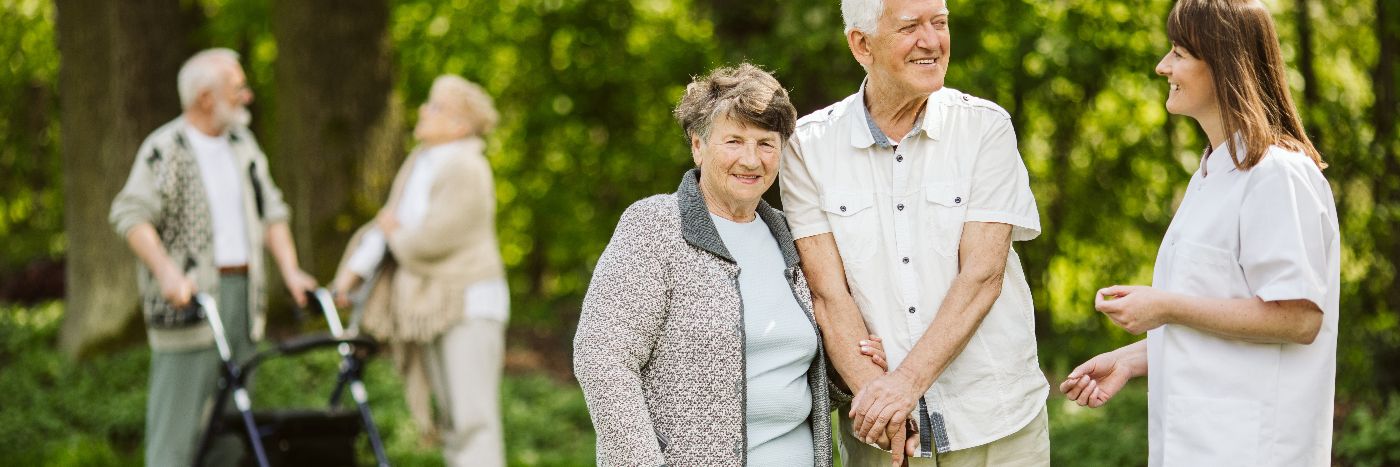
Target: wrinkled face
738	162
910	50
440	120
231	100
1192	83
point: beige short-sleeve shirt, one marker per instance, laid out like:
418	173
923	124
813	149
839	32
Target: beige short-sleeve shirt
897	212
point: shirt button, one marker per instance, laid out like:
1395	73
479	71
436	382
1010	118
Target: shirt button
957	200
911	309
899	158
900	206
906	260
843	209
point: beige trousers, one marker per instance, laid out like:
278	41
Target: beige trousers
464	368
1029	447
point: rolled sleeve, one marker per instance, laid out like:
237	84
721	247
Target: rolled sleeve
1284	236
1001	189
801	198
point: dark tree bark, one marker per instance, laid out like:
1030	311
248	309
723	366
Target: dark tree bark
116	84
335	117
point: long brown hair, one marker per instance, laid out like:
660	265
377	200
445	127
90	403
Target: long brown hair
1237	40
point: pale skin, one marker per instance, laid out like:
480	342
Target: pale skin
441	120
906	60
1138	309
176	287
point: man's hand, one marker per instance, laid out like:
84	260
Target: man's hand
298	284
1135	308
886	401
176	287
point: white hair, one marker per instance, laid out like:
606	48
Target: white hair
864	15
202	72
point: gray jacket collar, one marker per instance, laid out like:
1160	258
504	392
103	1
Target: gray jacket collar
699	230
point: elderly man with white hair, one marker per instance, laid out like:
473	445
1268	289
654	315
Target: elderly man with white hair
905	199
197	209
436	283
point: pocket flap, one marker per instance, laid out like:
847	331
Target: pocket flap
845	203
950	194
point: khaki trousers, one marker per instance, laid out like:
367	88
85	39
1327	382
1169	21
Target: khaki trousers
464	368
1028	447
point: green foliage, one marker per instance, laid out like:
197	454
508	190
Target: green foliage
31	201
1373	438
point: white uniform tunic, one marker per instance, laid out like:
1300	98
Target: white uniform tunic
1268	232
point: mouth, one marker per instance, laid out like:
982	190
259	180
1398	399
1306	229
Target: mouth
747	179
1175	87
929	62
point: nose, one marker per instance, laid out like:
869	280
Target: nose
927	37
749	157
1163	68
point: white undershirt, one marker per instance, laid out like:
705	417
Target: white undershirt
224	188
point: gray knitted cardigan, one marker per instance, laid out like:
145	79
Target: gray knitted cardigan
660	345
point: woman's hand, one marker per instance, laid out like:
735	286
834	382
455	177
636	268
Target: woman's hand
1099	379
1135	308
341	287
874	347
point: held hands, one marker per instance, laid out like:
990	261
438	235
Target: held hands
1135	308
874	348
881	410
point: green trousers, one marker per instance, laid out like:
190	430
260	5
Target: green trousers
184	384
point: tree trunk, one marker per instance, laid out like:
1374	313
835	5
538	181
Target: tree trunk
116	85
336	118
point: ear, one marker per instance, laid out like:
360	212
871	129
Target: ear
859	42
695	149
204	102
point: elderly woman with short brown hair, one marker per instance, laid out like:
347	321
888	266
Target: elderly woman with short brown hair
697	343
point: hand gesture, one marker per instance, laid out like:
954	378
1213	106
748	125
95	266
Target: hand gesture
1097	380
1135	308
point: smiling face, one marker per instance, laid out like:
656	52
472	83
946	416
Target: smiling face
738	163
1192	85
909	52
441	118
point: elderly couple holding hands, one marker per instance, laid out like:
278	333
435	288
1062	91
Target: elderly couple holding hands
718	330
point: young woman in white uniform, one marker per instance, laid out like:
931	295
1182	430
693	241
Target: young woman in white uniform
1241	317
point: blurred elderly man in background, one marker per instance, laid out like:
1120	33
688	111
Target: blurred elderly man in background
436	283
197	209
904	199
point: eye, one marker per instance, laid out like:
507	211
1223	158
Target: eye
908	29
941	23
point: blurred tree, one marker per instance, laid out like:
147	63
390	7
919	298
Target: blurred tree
335	117
116	84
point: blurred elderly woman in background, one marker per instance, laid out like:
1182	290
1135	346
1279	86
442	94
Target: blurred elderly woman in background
437	290
697	343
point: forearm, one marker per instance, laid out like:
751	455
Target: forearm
145	243
1134	355
284	251
968	301
843	328
1248	319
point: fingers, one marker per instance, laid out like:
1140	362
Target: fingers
875	352
1075	387
1083	399
911	445
897	438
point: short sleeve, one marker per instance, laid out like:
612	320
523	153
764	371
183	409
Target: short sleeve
1001	188
801	198
1284	234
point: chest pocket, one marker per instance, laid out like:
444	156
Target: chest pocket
854	223
945	210
1205	271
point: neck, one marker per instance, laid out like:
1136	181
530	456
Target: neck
1214	127
895	112
205	123
735	211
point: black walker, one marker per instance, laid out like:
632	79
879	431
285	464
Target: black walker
296	437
